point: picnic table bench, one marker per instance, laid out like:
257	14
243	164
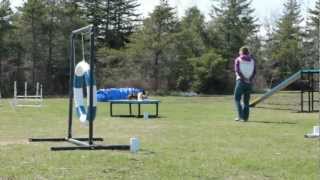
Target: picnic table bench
139	103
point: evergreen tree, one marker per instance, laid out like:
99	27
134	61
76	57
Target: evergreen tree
5	28
209	73
233	26
311	43
67	16
287	51
115	19
157	37
125	21
189	44
93	11
31	24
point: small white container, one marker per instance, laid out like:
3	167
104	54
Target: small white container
146	115
134	145
139	96
316	130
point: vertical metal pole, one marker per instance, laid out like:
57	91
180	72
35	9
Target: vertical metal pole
25	88
301	101
71	73
312	90
319	67
309	92
92	62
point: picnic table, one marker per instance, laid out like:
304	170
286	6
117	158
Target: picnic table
139	103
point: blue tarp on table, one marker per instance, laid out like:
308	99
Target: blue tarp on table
104	95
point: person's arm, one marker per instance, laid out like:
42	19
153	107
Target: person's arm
254	70
237	68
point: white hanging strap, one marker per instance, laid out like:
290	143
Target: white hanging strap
83	53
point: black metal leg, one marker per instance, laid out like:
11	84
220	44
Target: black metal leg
301	100
130	109
139	110
309	101
111	109
312	100
157	109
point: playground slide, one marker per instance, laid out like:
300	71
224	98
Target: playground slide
278	88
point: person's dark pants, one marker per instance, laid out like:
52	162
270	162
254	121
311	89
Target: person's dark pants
242	91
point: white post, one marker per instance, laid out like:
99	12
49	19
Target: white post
15	89
41	95
41	91
15	94
37	89
25	88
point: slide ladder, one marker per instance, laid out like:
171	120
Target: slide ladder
277	88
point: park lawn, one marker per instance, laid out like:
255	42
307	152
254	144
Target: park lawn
195	138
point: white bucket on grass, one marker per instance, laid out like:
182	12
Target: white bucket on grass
134	145
146	115
316	130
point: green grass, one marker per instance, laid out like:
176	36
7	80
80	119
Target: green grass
195	138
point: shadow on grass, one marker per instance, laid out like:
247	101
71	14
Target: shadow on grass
125	117
270	122
276	108
146	152
287	109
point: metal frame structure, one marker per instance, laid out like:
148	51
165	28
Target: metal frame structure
318	85
312	78
81	143
310	88
26	100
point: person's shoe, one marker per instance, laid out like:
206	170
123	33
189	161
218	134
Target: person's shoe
237	119
244	120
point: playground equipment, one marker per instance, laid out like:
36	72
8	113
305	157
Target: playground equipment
26	100
310	89
82	143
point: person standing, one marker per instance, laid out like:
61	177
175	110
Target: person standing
245	70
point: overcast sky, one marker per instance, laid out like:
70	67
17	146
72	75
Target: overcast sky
263	8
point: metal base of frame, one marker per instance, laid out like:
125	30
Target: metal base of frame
80	144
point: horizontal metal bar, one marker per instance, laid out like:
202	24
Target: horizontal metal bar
87	139
77	142
136	116
93	147
47	139
28	105
28	96
83	29
61	139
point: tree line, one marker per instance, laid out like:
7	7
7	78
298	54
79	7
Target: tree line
161	53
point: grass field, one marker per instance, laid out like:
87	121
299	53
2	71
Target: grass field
195	138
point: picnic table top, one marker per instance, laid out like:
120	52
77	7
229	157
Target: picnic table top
127	101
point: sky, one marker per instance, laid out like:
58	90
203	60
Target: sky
264	9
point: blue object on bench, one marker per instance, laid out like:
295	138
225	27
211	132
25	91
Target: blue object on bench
105	95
